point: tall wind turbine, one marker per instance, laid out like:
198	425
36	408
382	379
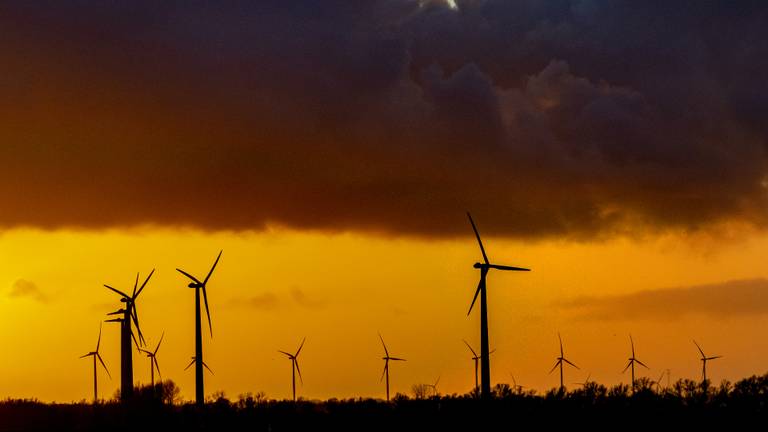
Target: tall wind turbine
560	361
129	313
485	364
96	355
476	359
153	360
386	359
632	361
704	360
294	358
198	358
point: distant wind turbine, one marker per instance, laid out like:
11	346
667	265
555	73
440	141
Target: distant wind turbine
295	367
96	355
586	381
434	387
197	285
560	361
632	361
153	364
485	365
129	314
386	359
704	360
476	359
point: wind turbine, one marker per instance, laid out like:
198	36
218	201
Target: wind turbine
485	365
153	360
129	313
96	355
197	285
632	361
434	386
386	359
476	358
560	361
194	360
586	381
704	360
515	386
294	358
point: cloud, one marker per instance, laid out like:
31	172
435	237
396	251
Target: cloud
266	301
23	288
302	300
731	299
574	119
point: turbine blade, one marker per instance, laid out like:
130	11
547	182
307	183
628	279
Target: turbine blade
135	285
632	342
105	366
503	267
561	344
157	366
569	362
288	354
86	355
117	291
189	276
158	344
398	359
642	364
474	299
713	358
470	348
207	311
135	316
209	369
300	347
628	365
386	366
296	362
214	266
386	353
114	320
190	363
99	341
557	363
699	348
144	284
491	351
477	234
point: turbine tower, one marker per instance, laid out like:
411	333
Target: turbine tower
129	314
632	361
153	361
704	360
386	359
485	365
198	358
294	358
560	361
96	355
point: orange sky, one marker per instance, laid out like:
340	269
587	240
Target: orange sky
274	287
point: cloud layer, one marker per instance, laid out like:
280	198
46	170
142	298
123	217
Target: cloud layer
729	299
23	288
562	118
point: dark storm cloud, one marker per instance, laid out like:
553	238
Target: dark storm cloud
559	118
729	299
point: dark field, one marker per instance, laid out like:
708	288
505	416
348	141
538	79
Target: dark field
685	405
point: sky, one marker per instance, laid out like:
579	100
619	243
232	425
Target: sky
332	149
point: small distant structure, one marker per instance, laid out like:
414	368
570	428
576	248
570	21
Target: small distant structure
95	354
295	367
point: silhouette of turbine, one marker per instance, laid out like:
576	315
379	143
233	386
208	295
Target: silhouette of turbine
704	360
632	361
476	358
197	285
294	358
560	361
434	386
517	388
194	360
129	313
485	365
386	359
586	381
153	361
96	355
